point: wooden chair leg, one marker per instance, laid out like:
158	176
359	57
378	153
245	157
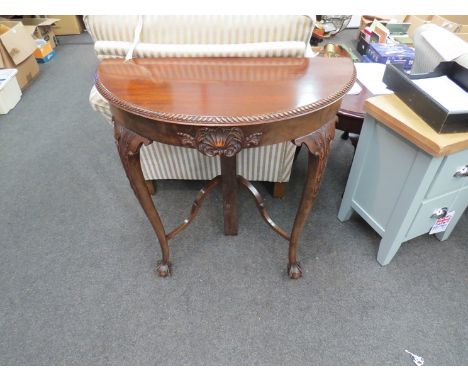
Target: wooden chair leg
151	186
279	189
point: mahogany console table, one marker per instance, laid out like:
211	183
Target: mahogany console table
220	106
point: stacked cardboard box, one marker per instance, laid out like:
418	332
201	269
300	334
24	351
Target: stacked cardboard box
44	52
67	24
41	28
457	24
41	31
16	51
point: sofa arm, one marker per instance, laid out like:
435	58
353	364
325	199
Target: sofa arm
111	28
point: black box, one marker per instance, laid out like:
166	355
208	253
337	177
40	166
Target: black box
362	46
432	112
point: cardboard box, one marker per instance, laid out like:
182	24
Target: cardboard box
367	20
17	44
432	112
416	21
463	33
451	26
28	70
454	23
457	24
459	19
16	51
67	24
462	21
395	54
41	28
379	32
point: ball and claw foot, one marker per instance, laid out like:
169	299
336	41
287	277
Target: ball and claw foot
163	269
294	271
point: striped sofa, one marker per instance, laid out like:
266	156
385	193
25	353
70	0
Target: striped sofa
192	36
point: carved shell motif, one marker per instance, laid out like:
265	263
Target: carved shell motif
223	142
220	141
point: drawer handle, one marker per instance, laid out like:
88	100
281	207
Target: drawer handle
461	172
439	213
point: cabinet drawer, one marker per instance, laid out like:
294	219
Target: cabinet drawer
423	221
445	180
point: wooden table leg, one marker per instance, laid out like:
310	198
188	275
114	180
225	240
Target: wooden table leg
128	145
229	183
318	144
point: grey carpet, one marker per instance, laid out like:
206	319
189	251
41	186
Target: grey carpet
77	258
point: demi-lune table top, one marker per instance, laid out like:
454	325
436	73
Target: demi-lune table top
224	90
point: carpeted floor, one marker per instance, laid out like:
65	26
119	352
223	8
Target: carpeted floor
77	257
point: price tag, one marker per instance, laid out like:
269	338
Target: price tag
441	224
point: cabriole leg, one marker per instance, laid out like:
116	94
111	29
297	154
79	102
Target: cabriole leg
318	144
128	146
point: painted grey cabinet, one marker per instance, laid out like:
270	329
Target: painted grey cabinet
400	188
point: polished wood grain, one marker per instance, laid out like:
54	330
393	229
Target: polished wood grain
223	91
396	115
219	107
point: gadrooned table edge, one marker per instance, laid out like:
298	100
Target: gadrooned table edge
211	120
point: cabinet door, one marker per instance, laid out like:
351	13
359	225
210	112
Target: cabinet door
423	221
445	181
